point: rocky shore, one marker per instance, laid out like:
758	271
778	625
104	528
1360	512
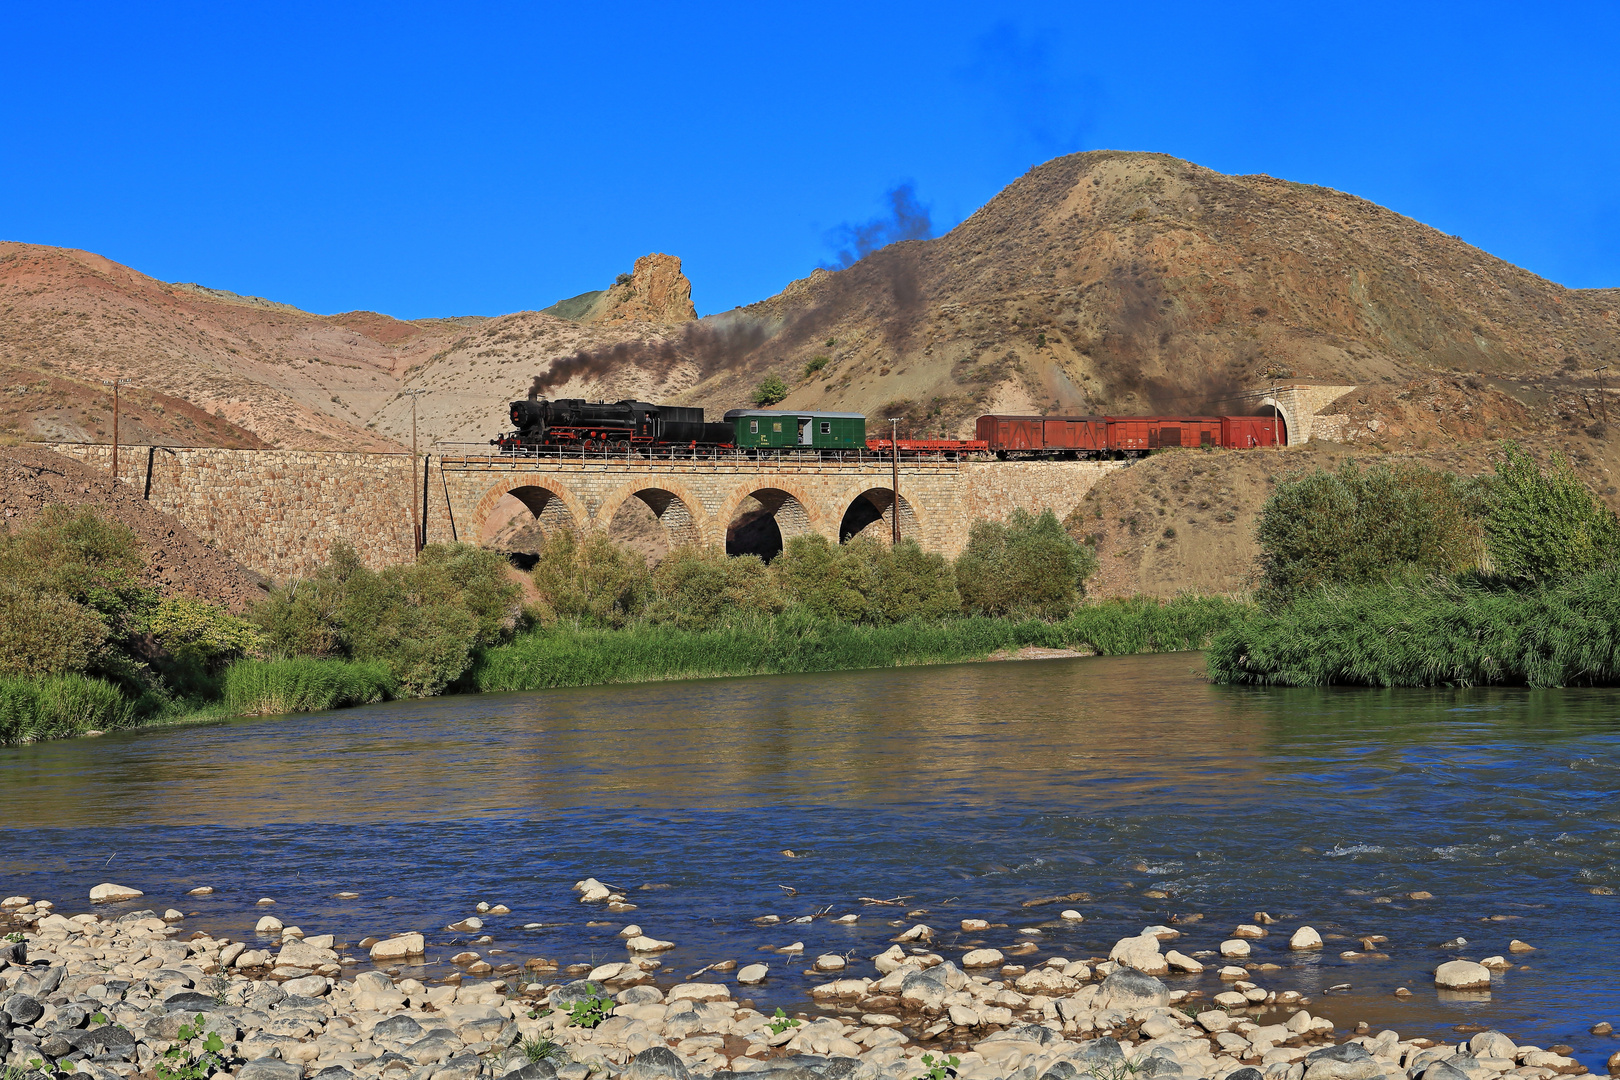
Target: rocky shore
109	996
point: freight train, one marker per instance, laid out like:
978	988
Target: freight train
568	425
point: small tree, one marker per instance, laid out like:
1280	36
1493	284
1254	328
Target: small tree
770	390
1027	566
698	588
593	580
1366	526
825	580
1545	525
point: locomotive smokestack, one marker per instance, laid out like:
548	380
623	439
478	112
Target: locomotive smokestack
534	388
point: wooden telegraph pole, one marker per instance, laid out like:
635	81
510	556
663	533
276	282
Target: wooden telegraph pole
115	383
894	458
416	520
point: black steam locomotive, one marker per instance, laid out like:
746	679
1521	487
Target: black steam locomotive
603	425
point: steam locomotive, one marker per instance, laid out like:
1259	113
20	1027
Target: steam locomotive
602	425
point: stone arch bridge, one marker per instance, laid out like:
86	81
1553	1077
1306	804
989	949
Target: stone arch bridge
281	511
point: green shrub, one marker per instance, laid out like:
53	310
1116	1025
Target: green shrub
304	684
593	580
770	390
46	633
196	631
698	588
1544	525
908	582
1362	526
814	364
59	706
1027	566
827	581
423	620
79	555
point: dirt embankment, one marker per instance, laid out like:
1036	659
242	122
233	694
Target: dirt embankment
178	561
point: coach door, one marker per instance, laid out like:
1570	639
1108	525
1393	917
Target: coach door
805	438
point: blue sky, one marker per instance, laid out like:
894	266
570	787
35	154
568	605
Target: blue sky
480	158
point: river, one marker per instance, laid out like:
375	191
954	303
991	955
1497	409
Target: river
966	789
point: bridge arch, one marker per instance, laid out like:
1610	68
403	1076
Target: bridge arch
673	505
549	503
761	520
871	513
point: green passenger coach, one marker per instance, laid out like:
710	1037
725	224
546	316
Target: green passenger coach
798	431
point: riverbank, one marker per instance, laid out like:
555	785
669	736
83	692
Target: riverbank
570	654
120	990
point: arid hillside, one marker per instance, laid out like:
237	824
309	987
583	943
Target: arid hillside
1134	282
273	373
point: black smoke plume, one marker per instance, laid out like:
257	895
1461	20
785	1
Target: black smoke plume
709	344
908	220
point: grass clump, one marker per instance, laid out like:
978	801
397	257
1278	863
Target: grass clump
305	684
60	706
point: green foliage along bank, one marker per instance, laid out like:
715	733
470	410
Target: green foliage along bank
84	647
1407	577
799	641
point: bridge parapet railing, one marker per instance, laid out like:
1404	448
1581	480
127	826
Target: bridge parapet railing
476	457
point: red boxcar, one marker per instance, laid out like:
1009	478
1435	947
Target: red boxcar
1043	435
1137	434
1247	432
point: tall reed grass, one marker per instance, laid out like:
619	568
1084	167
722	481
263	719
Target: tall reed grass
303	684
1439	633
59	707
567	655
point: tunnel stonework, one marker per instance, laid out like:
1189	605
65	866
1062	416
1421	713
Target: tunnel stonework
280	512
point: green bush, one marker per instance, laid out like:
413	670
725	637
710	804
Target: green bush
304	684
59	706
593	580
1435	633
770	390
908	583
46	633
827	581
814	364
1028	566
79	555
1362	526
699	588
1544	525
195	631
423	620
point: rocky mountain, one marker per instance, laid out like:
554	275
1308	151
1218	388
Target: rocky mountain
1102	281
1131	282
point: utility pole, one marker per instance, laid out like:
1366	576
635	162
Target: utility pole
1603	397
114	384
416	521
894	458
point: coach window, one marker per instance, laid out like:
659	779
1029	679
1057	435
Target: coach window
826	427
753	427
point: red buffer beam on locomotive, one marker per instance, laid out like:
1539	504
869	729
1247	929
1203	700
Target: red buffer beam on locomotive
1129	436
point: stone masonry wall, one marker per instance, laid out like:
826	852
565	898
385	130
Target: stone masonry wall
280	511
275	511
